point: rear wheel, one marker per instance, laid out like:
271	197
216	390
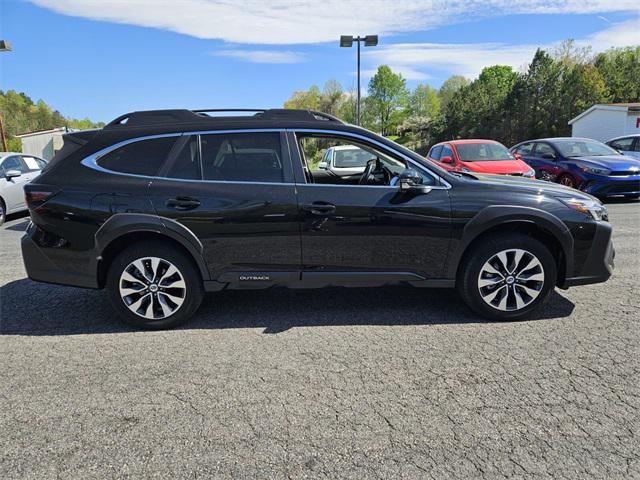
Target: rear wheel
507	276
152	285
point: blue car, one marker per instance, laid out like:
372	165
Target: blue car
582	163
627	145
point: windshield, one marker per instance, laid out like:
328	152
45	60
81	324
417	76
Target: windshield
578	148
352	158
482	152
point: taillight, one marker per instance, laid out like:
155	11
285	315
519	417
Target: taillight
37	195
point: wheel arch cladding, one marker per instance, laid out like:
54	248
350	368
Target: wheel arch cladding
122	229
544	226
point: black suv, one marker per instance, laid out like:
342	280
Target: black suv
160	206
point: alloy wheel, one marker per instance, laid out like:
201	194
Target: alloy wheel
152	288
567	181
511	280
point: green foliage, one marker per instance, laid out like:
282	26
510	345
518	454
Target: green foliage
450	87
20	114
620	71
389	96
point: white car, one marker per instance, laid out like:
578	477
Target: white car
16	169
627	145
345	160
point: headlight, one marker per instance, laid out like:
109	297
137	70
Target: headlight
596	171
592	208
531	173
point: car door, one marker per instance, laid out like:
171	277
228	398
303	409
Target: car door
235	192
12	189
548	162
368	233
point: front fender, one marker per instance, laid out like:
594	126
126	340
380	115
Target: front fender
495	215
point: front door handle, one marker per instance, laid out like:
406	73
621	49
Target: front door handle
183	203
322	209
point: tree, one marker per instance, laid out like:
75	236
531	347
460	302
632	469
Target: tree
450	87
620	71
388	97
424	102
305	99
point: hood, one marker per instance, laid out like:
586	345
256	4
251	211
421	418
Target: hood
616	163
498	166
538	187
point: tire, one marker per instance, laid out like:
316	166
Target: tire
153	285
526	287
567	180
3	212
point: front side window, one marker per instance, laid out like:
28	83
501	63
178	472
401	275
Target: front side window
355	163
435	152
33	164
544	149
247	157
446	152
144	157
13	163
622	143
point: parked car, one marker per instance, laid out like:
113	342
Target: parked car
584	164
16	169
345	160
145	209
480	156
627	145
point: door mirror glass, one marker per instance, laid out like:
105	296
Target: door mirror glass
12	174
446	159
409	179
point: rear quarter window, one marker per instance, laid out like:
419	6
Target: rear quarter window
144	157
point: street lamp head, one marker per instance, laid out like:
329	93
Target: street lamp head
371	40
346	41
5	46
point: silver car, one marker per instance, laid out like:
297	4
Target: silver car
627	145
16	169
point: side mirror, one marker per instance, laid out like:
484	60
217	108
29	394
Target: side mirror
323	165
517	156
12	174
549	156
446	159
411	180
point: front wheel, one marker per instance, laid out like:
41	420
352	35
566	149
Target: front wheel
567	181
152	285
507	276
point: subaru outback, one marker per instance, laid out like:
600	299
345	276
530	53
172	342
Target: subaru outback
159	207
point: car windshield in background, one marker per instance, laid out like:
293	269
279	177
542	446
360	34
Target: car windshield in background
578	148
482	152
351	158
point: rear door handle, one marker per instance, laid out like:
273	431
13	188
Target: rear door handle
319	208
183	203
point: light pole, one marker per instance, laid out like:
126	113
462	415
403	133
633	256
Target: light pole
5	46
347	42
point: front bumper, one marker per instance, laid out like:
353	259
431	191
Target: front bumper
599	186
599	263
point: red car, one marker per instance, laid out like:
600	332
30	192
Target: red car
478	156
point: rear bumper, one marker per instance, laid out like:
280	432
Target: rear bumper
599	264
40	268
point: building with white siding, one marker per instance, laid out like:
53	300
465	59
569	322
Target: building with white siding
604	122
43	143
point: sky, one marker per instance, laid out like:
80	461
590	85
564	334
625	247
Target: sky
102	58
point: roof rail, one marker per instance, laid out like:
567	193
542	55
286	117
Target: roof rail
155	117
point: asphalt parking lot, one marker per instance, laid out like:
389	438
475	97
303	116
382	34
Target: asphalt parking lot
340	383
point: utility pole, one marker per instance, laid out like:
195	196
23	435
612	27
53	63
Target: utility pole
369	41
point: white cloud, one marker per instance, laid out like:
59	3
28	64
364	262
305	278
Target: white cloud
470	59
407	72
262	56
312	21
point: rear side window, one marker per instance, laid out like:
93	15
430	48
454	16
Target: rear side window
247	157
525	149
184	162
435	152
144	157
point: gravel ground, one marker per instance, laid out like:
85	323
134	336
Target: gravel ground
349	383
